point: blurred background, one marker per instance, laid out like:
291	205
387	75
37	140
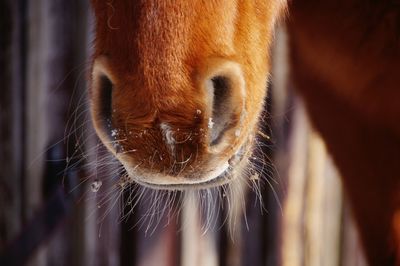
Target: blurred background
58	200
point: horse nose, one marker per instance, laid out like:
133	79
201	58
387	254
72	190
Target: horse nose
224	84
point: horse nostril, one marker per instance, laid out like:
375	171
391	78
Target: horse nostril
105	98
102	97
220	121
226	94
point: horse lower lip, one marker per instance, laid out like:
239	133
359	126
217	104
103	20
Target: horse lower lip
181	186
216	181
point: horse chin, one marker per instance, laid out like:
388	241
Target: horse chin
228	171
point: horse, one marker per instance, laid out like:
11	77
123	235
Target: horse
177	91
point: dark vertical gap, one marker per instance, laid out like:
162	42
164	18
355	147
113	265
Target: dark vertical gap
269	219
253	252
269	230
23	49
179	235
128	240
223	239
6	29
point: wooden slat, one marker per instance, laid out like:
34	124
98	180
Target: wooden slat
352	253
323	207
199	248
332	212
36	126
292	238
